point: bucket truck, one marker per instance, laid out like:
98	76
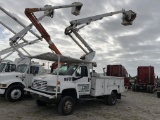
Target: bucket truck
77	80
12	84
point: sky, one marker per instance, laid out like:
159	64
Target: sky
131	46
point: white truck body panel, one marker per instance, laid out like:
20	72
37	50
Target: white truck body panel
104	85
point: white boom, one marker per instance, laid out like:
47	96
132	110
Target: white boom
10	50
48	11
15	19
128	17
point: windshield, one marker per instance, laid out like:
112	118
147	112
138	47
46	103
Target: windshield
21	68
2	65
66	70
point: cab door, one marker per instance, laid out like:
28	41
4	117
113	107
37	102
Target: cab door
34	70
82	80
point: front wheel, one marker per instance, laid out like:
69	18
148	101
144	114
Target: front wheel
66	105
14	93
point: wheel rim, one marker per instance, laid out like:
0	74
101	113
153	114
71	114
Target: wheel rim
16	94
68	106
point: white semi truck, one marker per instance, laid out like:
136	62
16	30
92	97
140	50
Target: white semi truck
73	81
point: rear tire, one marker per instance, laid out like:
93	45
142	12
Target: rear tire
112	99
14	93
136	87
40	103
66	105
133	87
158	94
147	88
150	88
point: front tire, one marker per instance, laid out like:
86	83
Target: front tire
66	105
14	93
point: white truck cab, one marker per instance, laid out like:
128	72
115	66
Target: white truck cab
72	82
12	84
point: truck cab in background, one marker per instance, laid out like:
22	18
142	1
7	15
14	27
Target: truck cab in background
119	71
7	66
12	84
145	79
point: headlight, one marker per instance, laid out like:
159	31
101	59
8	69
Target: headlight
53	88
3	85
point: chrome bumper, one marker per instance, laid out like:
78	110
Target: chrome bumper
40	93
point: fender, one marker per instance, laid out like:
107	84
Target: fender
68	85
11	81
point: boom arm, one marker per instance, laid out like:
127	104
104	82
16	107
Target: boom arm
49	12
128	17
17	36
76	7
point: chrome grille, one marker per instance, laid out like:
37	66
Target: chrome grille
39	85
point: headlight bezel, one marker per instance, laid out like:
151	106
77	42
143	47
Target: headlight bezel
52	89
2	85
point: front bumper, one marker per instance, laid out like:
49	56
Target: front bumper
2	91
43	96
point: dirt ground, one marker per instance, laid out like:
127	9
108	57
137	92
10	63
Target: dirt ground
133	106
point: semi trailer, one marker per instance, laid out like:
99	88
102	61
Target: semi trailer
145	79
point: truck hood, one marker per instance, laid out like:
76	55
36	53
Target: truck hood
52	78
9	75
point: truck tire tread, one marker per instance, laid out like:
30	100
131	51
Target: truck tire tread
112	99
66	102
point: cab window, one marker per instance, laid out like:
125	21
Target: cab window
10	68
33	70
82	71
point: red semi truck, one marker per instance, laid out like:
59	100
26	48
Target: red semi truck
145	79
119	71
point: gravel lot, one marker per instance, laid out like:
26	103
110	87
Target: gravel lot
133	106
